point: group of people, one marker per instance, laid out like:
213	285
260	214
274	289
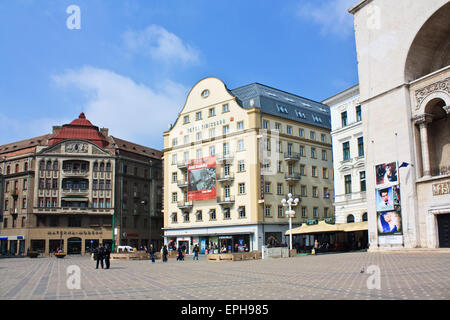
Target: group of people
102	253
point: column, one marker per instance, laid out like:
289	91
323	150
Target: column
422	121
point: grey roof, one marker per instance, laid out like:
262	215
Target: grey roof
283	104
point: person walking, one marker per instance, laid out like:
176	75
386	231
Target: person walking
107	255
196	250
180	253
99	252
164	253
152	253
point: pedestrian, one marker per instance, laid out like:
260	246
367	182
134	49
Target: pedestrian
99	252
196	250
152	253
107	255
164	253
180	253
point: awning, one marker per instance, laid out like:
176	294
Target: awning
357	226
323	227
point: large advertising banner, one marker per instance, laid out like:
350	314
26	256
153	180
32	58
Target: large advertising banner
202	178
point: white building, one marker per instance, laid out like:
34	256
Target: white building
348	155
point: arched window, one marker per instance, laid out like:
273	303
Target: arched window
108	166
55	165
350	218
96	166
25	166
42	165
364	217
49	165
8	169
102	166
17	168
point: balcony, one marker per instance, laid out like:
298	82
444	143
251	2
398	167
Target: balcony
185	205
77	191
182	164
13	211
182	184
225	200
75	173
292	177
292	156
227	158
224	178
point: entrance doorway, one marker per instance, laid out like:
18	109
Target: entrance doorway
74	246
444	230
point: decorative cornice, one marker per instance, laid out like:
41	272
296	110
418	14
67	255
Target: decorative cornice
423	119
421	94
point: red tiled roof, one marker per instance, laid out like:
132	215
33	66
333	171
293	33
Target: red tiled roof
80	128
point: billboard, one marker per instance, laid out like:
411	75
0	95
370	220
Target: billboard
386	173
202	179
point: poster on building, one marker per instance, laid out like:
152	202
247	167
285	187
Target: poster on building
386	174
389	222
389	218
202	179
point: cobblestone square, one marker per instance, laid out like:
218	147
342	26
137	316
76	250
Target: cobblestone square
422	275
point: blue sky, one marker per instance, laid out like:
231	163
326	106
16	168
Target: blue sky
132	63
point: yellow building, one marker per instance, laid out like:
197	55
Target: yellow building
233	155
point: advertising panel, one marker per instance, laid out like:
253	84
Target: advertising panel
386	174
202	179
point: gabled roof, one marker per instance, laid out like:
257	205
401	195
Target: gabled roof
13	147
116	143
283	104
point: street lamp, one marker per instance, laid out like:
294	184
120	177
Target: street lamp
290	213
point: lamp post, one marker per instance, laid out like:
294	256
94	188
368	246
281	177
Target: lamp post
290	213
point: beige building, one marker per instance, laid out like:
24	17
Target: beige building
404	71
233	155
76	188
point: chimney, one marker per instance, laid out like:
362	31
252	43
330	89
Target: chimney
104	132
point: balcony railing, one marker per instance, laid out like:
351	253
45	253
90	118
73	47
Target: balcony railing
225	200
74	172
182	183
292	156
292	176
182	164
185	204
228	158
225	177
75	191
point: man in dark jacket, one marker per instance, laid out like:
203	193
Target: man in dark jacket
99	252
107	256
151	250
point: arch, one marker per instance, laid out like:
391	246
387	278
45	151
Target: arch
74	245
364	216
437	95
350	218
430	48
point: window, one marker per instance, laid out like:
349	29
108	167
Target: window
304	191
280	166
323	138
241	188
174	159
302	151
240	125
24	203
344	119
348	184
289	130
174	197
315	212
278	127
304	212
199	215
241	165
325	173
315	193
226	213
267	141
174	177
324	155
212	133
265	124
360	147
362	179
326	195
364	217
279	188
302	170
226	148
241	212
313	153
212	150
186	217
240	145
312	135
350	218
186	139
314	171
186	119
198	115
199	153
226	129
212	112
6	204
358	113
174	217
282	109
198	136
346	150
301	132
225	108
267	187
268	211
280	211
174	143
326	212
212	214
226	169
25	184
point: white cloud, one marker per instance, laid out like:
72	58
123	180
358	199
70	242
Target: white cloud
161	45
130	110
332	15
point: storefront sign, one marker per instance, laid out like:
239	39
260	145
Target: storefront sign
206	126
311	222
442	188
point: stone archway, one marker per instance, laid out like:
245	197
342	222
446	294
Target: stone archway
74	245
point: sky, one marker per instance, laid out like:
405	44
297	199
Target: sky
129	64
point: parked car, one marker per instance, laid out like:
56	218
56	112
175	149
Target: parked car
125	249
